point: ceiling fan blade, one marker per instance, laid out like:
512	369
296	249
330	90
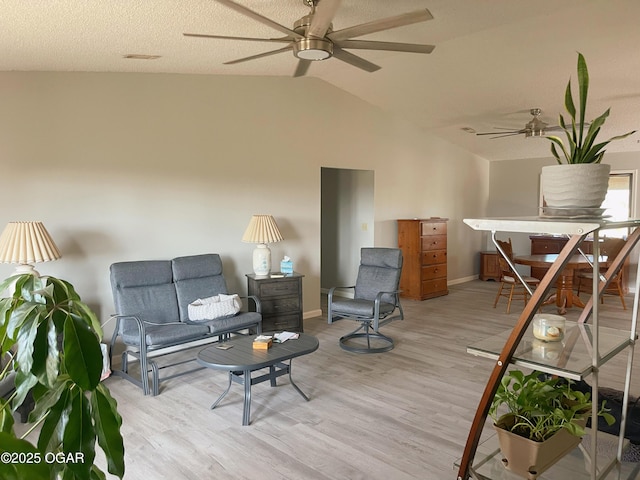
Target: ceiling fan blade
251	39
511	132
260	55
301	69
394	47
354	60
322	17
500	134
382	24
256	16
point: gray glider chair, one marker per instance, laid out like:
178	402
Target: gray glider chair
375	302
152	299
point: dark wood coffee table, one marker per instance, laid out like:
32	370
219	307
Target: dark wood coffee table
241	359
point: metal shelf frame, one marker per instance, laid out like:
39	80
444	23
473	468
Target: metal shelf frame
577	230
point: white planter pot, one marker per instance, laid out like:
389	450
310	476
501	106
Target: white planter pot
582	185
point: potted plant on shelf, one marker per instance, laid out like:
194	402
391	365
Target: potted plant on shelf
544	420
580	180
54	340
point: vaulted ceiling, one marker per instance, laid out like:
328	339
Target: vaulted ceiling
494	60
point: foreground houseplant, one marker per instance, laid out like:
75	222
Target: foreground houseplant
544	420
56	340
590	180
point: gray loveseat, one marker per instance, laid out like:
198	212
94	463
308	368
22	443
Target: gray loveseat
151	298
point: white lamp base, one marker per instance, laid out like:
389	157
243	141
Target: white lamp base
262	260
25	268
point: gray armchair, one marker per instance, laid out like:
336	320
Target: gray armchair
375	301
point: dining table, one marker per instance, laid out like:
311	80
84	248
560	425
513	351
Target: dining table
563	296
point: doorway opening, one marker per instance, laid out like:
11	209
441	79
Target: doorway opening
346	223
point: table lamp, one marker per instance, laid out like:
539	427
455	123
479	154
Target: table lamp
262	230
26	243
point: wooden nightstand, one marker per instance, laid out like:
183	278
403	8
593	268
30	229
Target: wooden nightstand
490	266
281	300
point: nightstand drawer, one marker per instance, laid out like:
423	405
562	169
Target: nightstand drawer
280	305
277	289
282	322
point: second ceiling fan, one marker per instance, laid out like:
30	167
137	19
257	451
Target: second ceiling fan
534	128
313	38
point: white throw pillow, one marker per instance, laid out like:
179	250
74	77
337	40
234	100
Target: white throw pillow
218	306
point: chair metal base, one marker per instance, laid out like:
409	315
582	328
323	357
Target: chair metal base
368	334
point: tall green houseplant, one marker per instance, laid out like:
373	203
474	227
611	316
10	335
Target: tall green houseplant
54	339
581	146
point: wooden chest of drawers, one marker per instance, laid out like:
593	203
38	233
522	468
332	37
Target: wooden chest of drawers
280	299
424	249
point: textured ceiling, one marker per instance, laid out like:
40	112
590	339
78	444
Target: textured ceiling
494	60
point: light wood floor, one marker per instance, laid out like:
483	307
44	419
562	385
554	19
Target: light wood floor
399	415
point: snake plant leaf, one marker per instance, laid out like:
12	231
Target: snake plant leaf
580	144
79	435
107	422
583	87
21	471
82	353
568	101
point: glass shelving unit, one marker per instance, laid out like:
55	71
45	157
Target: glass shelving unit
585	348
569	358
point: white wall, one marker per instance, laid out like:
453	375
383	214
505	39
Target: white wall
149	166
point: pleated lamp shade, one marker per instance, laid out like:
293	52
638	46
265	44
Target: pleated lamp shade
262	230
26	243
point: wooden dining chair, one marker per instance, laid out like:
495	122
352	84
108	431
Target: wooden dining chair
610	248
510	285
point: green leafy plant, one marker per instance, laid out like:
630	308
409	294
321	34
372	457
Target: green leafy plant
581	144
538	407
55	341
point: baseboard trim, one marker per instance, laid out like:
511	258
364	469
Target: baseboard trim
458	281
338	293
312	314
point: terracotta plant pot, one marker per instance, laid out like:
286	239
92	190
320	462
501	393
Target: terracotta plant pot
528	458
575	186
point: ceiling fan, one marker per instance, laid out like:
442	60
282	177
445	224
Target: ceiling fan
313	38
534	128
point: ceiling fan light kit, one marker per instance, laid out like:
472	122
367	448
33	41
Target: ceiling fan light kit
313	49
313	38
